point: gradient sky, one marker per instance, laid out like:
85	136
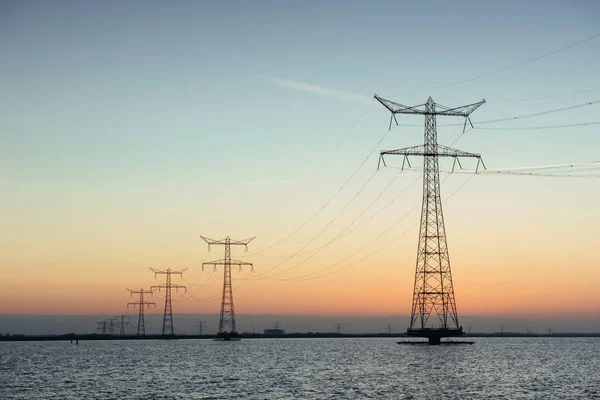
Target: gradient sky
130	128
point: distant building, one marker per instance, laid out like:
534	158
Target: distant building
274	331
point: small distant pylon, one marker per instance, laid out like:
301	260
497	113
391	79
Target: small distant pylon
389	329
102	327
167	328
227	319
200	326
141	328
122	322
111	326
338	328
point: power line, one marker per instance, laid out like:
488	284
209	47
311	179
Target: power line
553	166
572	170
186	295
547	175
329	200
327	160
543	97
380	248
341	235
310	276
396	223
299	251
501	69
537	114
344	138
540	127
493	121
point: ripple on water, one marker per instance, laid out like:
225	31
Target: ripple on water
500	368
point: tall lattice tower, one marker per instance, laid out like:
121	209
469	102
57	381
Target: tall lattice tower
167	327
433	289
227	326
142	303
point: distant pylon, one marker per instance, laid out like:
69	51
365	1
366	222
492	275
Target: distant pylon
200	325
167	328
389	329
433	288
122	322
102	327
141	328
227	319
111	326
338	328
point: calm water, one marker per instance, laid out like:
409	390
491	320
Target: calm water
519	368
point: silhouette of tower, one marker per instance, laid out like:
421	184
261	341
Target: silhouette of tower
122	322
338	328
167	327
433	288
141	328
111	326
200	326
227	326
102	327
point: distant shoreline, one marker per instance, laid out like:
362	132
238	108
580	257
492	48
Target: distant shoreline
95	336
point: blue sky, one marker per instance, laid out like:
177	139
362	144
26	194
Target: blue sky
145	122
195	79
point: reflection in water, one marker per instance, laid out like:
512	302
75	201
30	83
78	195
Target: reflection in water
503	368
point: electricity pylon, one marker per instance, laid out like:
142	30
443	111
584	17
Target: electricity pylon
102	327
141	328
167	328
338	328
433	288
111	326
227	326
200	326
122	322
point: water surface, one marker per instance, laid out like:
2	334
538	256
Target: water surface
492	368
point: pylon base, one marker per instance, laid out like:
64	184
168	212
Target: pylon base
434	335
227	336
448	342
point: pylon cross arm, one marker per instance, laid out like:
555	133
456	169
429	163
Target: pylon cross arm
225	241
397	108
462	111
420	150
171	272
227	262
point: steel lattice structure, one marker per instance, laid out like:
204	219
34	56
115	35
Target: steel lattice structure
102	327
227	326
141	328
167	327
433	287
122	322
